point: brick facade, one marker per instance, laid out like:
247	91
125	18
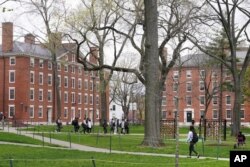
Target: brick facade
27	87
185	85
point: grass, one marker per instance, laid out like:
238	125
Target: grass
41	157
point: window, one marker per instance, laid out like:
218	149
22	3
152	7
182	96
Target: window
202	74
66	82
189	100
11	111
202	86
85	99
40	78
73	69
32	62
176	74
215	100
12	76
49	65
229	113
12	61
66	68
188	74
202	100
79	70
79	113
11	93
49	96
214	74
242	114
188	86
228	100
40	96
175	100
215	86
175	87
32	77
49	79
73	58
73	97
58	67
31	111
40	111
85	84
91	99
73	83
215	114
66	97
79	83
164	101
41	63
65	113
202	113
79	98
97	100
32	94
164	114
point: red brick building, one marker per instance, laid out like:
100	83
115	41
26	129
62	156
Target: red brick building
27	90
186	85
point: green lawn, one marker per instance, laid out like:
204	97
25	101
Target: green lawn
39	157
45	157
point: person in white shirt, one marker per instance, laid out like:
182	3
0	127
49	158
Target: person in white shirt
191	143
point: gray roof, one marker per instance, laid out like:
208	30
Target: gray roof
193	60
37	50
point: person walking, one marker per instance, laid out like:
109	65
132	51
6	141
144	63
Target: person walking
89	124
59	124
84	126
191	139
104	125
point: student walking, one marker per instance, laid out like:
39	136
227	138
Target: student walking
192	138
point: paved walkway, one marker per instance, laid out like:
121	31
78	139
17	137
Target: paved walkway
67	145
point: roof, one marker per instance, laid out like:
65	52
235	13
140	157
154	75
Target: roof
193	60
38	50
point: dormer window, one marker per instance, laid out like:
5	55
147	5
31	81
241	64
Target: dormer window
12	61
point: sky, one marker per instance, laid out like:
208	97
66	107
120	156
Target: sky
24	23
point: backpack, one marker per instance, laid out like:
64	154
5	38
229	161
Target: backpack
195	137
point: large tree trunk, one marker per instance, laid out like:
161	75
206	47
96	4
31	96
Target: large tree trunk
152	112
237	107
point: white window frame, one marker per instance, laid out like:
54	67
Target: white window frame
73	97
66	82
11	113
40	78
40	95
32	77
10	94
31	111
12	73
40	111
49	97
79	99
188	74
73	83
32	94
41	63
66	97
12	61
32	62
50	79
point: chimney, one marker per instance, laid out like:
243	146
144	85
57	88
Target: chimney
7	37
29	38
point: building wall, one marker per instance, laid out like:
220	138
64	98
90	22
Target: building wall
195	109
